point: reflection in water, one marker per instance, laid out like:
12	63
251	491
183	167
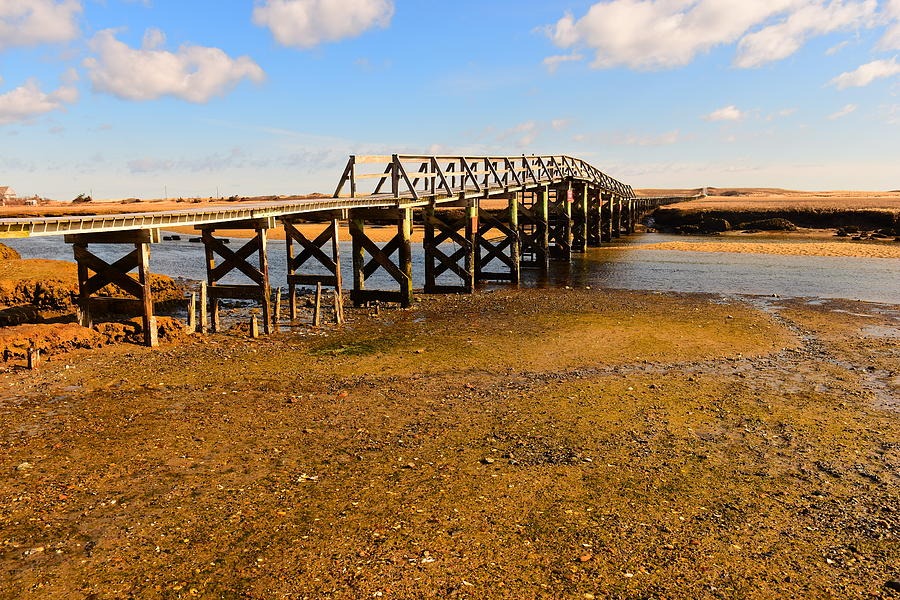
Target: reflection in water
868	279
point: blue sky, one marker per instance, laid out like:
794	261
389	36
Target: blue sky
146	98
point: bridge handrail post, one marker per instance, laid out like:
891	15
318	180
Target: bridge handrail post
395	176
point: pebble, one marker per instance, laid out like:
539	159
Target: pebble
24	466
585	557
487	460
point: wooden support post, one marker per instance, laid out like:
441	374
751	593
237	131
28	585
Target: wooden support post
266	291
212	301
401	244
204	309
317	312
116	273
632	215
254	327
404	231
151	333
259	289
441	228
515	248
617	218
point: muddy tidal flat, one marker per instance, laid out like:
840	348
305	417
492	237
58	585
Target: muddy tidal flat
513	444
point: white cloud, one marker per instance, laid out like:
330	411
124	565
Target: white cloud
553	62
193	73
560	124
153	39
661	34
28	101
726	113
850	108
891	38
783	39
837	48
308	23
32	22
866	74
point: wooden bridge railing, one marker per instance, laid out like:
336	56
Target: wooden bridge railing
415	177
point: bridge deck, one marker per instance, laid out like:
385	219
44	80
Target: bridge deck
412	180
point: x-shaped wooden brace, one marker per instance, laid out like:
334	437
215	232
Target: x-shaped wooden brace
106	273
487	223
450	231
381	257
311	249
233	260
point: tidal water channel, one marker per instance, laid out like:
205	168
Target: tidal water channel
866	279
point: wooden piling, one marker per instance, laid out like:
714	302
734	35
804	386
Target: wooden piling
34	358
515	247
338	308
317	312
254	327
204	309
192	313
276	318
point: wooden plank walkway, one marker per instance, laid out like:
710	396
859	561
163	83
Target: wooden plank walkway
446	179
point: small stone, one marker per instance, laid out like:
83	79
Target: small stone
893	585
24	466
487	460
420	351
588	596
409	466
585	558
729	317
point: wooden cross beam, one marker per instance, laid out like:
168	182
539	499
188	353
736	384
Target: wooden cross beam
313	251
440	229
580	218
533	231
559	224
595	219
506	250
116	273
238	261
381	257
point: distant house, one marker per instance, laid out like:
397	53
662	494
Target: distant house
7	195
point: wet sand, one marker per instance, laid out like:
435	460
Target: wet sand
858	249
516	444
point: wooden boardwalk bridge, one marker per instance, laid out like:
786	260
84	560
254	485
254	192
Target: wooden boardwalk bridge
554	206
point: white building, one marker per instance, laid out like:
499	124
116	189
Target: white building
7	195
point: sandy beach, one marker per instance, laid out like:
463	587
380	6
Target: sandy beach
779	247
516	444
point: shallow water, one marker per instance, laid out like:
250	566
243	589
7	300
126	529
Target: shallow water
867	279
